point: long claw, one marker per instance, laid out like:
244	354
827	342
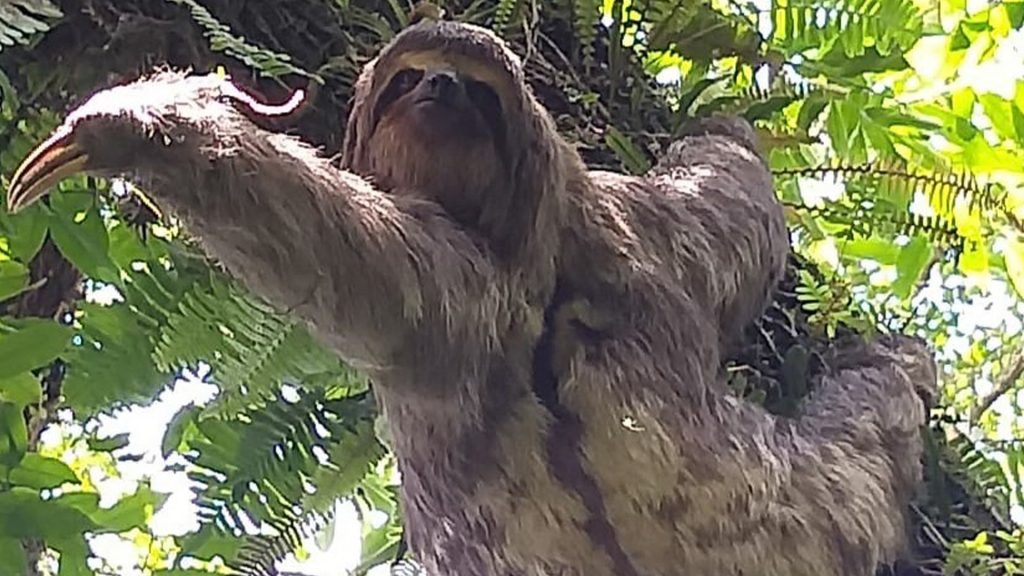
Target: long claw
52	161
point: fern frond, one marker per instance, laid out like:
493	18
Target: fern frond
268	466
756	102
407	568
982	497
374	23
109	362
253	347
854	24
20	20
266	62
260	553
586	17
865	222
942	188
503	13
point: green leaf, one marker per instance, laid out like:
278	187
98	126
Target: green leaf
632	158
1000	112
36	471
27	231
82	237
378	547
810	110
130	512
126	247
838	129
912	262
50	520
21	389
13	278
109	444
1013	255
113	362
74	554
877	249
13	435
12	557
1018	123
1015	12
183	422
974	263
35	343
209	542
87	503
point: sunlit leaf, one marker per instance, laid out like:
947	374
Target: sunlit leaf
910	265
974	263
839	129
936	57
1001	113
36	471
130	512
109	444
1013	255
13	278
877	249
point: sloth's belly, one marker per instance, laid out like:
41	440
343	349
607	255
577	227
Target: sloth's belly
607	488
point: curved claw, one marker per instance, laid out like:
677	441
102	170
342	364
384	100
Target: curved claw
52	161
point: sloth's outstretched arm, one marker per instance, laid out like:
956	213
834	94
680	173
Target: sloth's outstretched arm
363	267
729	236
830	484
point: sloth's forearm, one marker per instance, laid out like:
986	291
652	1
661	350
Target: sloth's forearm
732	231
365	268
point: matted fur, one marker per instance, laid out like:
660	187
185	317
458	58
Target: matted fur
550	375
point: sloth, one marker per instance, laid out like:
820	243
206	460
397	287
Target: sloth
545	340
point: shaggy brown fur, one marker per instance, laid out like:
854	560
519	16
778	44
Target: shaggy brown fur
545	341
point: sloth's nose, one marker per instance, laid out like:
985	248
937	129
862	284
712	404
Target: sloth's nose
442	85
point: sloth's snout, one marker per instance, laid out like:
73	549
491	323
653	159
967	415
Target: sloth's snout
443	86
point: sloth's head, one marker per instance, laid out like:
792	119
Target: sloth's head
444	112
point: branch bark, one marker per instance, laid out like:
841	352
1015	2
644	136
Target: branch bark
1010	376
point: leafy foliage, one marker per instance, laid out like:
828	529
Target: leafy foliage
20	20
271	464
254	347
221	39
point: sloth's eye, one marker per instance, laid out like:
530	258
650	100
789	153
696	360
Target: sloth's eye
399	85
487	102
406	80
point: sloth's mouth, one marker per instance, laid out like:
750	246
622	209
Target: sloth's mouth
436	101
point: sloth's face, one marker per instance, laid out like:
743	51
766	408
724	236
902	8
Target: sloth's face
440	104
439	133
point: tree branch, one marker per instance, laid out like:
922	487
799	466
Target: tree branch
1010	376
